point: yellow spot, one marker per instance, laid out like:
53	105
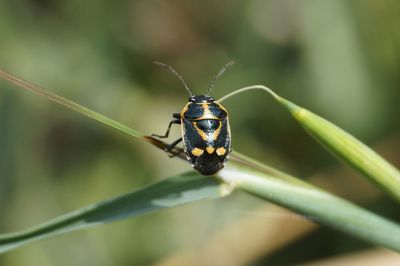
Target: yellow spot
197	152
210	149
221	151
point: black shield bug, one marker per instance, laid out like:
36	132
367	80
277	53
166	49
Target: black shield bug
205	129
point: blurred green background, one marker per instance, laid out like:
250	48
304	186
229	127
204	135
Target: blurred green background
340	59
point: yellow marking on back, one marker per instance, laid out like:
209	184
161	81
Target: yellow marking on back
217	131
184	110
183	132
205	136
207	113
200	132
210	149
197	152
221	151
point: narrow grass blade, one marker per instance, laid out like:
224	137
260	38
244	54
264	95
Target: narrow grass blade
349	149
316	205
88	112
70	104
168	193
342	144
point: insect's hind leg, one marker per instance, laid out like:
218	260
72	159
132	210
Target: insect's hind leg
175	121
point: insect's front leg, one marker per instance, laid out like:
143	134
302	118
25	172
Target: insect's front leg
171	146
174	121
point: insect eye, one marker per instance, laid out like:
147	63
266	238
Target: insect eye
192	99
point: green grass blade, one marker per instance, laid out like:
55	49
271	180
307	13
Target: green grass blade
315	204
349	149
342	144
171	192
70	104
307	200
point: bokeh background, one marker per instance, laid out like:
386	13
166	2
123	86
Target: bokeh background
340	59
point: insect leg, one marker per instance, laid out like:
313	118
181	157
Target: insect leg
168	129
171	146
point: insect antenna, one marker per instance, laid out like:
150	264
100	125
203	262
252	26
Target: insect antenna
176	74
219	74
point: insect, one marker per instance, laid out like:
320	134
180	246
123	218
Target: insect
205	129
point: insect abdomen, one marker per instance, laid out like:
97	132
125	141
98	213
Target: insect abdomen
207	143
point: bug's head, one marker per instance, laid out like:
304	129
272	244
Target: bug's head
201	99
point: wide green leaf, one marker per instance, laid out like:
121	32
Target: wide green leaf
171	192
310	202
315	204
